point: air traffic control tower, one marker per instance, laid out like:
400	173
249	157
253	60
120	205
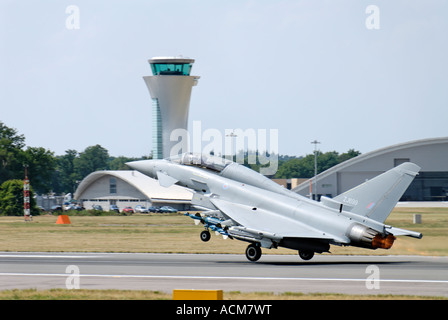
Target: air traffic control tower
170	89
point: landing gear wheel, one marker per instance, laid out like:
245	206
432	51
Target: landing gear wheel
205	235
253	252
306	254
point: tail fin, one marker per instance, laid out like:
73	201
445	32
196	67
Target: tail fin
377	197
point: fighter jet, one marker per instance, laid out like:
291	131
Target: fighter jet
242	204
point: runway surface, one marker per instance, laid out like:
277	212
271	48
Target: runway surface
409	275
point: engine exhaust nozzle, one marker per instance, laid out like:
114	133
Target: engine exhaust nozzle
365	237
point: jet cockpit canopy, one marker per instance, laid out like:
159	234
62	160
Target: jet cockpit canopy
214	163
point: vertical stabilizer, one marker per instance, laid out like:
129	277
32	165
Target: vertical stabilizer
377	197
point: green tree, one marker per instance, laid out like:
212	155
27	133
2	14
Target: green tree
92	159
348	155
41	165
304	167
65	177
326	160
11	144
11	199
13	157
119	163
289	169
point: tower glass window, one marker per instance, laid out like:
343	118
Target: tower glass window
176	69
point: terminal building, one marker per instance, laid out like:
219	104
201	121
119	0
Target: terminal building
431	184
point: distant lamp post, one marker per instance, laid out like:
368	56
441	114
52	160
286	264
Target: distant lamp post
315	142
231	135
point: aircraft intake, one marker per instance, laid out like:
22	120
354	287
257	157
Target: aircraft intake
366	237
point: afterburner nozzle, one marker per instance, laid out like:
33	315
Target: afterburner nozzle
365	237
383	242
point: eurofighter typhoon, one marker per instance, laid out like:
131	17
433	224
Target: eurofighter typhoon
242	204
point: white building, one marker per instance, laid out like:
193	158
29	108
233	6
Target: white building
129	188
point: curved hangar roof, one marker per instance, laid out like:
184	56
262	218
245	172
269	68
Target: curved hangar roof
430	154
146	185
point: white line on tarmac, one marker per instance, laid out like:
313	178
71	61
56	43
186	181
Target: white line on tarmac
43	256
219	278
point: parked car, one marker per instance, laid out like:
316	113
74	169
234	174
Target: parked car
73	207
97	207
127	210
56	208
114	207
140	209
154	209
167	209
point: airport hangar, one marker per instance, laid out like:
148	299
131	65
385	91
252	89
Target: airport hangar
129	188
431	184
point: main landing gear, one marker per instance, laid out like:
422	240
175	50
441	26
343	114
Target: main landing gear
253	252
306	254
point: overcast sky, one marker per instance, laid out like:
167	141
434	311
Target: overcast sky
309	69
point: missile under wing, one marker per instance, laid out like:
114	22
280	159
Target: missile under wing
244	205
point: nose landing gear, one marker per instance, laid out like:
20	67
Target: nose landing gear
205	235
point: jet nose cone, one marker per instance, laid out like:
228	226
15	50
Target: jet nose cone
144	166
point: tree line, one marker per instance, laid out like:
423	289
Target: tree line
48	172
303	167
61	174
296	167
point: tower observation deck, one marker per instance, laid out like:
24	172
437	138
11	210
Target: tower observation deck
170	89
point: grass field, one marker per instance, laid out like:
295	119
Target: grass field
175	233
83	294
